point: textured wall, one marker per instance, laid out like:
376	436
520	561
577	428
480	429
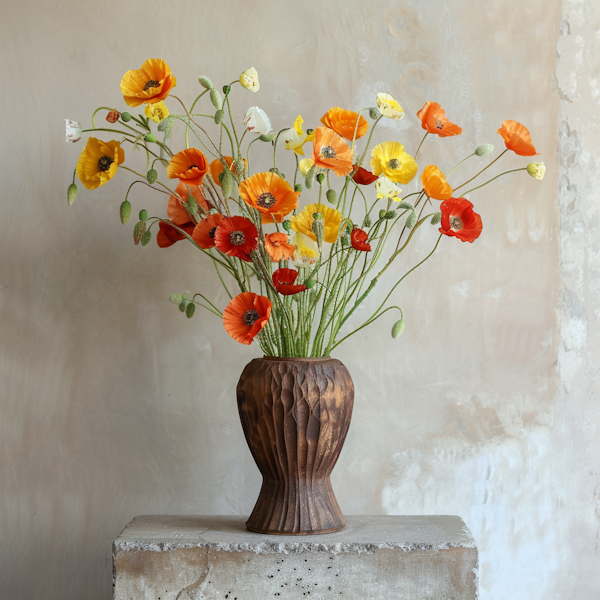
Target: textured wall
115	405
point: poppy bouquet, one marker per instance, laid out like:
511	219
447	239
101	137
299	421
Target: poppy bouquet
301	272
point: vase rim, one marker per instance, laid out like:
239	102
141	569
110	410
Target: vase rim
303	358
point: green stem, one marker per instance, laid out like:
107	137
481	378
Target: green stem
482	170
417	152
492	179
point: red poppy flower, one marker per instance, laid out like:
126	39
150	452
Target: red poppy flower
358	239
363	177
245	316
236	236
168	235
460	220
517	138
113	116
204	233
283	279
433	119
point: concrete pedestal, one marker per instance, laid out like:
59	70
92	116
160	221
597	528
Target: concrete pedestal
379	557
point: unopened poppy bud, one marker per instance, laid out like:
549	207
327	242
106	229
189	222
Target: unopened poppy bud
331	196
536	170
239	165
150	138
152	176
227	183
266	137
374	113
219	116
319	231
112	116
146	237
125	211
367	221
277	172
390	214
308	180
406	205
484	149
397	329
138	232
298	187
320	177
71	193
310	283
125	117
436	218
143	215
191	202
345	240
226	89
190	309
287	225
205	82
318	216
412	219
215	98
382	214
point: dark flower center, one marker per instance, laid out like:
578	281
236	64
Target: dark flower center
394	163
456	223
237	238
211	233
250	317
104	163
266	200
192	167
439	124
327	152
151	84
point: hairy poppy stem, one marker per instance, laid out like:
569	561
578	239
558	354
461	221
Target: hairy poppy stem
482	170
417	152
492	179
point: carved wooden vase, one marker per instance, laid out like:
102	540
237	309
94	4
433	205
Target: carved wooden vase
295	414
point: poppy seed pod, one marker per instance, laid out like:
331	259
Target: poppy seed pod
310	283
125	117
320	177
298	187
143	215
71	193
205	82
287	225
484	149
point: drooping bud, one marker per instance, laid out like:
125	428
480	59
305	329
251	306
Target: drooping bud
175	298
227	183
143	215
125	117
226	89
298	187
190	309
398	328
125	212
382	213
436	218
138	232
205	82
71	193
367	221
146	237
406	205
266	137
215	98
152	176
412	219
150	138
320	178
536	170
182	305
310	283
287	225
390	214
219	116
374	113
331	196
308	180
484	149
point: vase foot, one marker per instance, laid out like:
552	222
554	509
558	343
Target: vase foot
276	532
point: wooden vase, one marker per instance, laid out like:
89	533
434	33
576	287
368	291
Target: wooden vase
295	413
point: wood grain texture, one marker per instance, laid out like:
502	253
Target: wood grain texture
295	414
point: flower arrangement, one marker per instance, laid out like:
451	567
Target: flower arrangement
301	272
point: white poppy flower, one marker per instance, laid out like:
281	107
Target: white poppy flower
72	131
387	189
256	121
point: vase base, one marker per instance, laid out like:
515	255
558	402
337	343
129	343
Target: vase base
275	532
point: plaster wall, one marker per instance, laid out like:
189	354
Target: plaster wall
113	404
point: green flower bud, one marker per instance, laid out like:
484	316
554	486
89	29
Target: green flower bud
239	165
406	205
390	214
331	196
266	137
287	225
146	237
190	310
226	89
298	187
319	230
150	138
125	211
382	214
205	82
320	178
308	180
484	149
227	183
143	215
412	219
192	204
215	98
367	222
152	176
138	232
374	113
398	328
219	116
310	283
436	218
71	193
345	240
175	298
277	172
182	305
125	117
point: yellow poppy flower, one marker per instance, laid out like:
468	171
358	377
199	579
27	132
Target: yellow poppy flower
306	165
157	112
294	138
389	159
302	223
249	79
98	162
306	251
388	107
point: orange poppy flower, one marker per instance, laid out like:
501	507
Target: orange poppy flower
277	246
517	138
236	236
245	316
204	232
330	151
433	120
271	195
460	220
167	234
435	184
177	214
343	122
152	83
189	166
216	167
283	280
